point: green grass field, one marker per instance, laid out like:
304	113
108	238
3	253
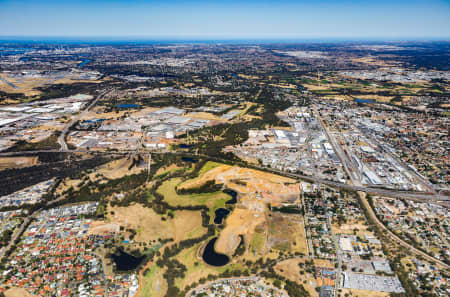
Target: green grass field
257	243
167	189
208	166
213	200
153	284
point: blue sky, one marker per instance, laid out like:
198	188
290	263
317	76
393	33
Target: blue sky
231	19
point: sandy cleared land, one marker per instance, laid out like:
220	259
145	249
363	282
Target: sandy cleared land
323	263
17	162
118	168
364	293
101	228
150	226
17	292
291	270
350	226
287	233
204	116
240	222
256	189
273	188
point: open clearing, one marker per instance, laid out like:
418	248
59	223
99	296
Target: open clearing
286	233
17	162
167	189
291	270
150	226
102	228
118	168
364	293
152	284
204	116
17	292
350	226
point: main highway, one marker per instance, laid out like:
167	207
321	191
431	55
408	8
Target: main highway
417	196
370	211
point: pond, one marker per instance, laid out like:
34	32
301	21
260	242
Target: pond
125	261
185	146
211	257
127	105
221	213
84	62
233	195
189	159
364	101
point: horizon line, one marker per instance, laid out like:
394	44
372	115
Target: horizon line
196	39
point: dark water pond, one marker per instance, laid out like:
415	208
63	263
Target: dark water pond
189	159
221	213
183	146
125	262
127	105
364	101
211	257
233	195
84	62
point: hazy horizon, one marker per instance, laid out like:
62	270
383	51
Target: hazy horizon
234	20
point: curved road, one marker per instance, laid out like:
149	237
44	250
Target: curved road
394	237
62	136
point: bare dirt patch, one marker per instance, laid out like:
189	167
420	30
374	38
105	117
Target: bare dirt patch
240	222
17	162
286	233
364	293
101	228
323	263
166	169
352	227
17	292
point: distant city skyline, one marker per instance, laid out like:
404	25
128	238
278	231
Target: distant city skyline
238	20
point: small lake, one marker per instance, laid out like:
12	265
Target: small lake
125	261
84	62
184	146
189	159
211	257
221	214
364	101
127	105
233	195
